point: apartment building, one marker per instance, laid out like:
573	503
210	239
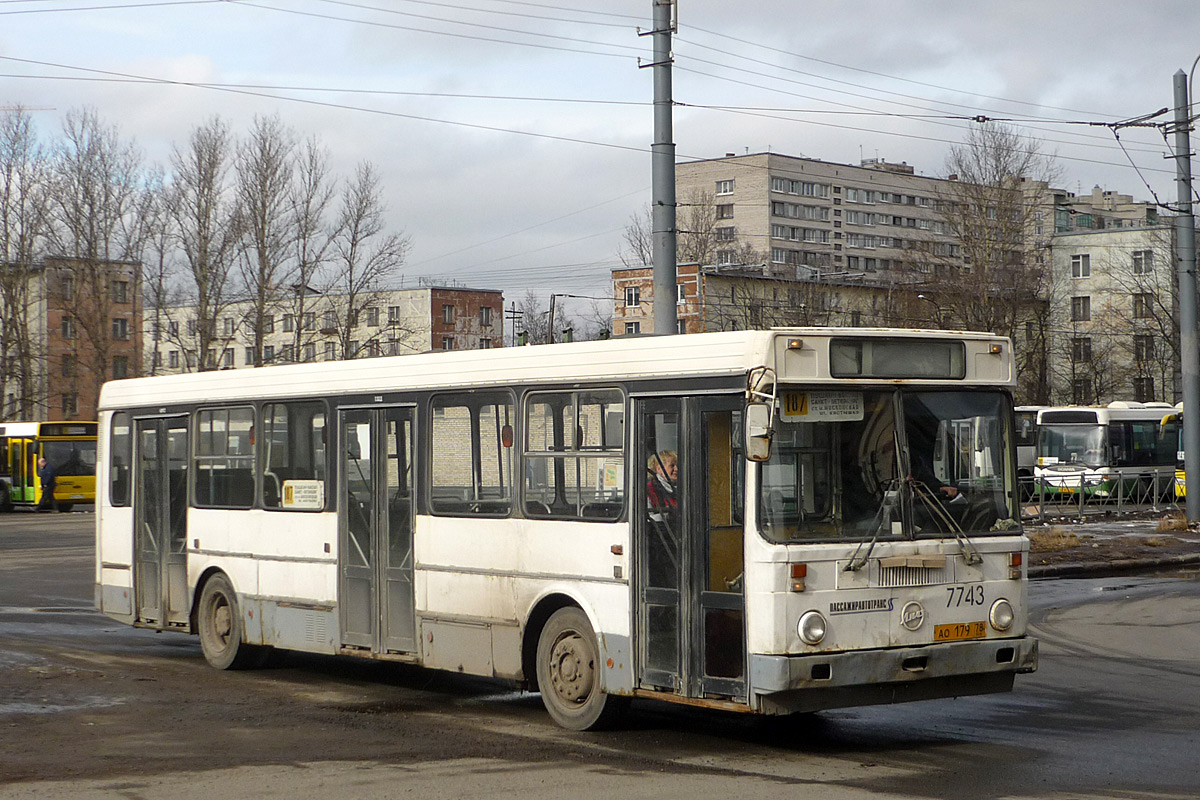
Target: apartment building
70	325
809	217
330	328
1114	315
740	297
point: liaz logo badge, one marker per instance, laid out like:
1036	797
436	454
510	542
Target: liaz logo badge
912	616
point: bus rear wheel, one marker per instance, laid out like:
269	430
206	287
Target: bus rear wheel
220	622
568	674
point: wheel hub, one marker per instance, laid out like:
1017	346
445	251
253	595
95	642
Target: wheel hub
571	669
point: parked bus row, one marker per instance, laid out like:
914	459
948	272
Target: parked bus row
762	521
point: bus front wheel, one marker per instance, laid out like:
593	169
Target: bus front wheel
568	673
220	624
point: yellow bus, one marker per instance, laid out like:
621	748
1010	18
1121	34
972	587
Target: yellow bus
68	447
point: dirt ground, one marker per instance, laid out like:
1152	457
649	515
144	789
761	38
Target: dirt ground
1072	543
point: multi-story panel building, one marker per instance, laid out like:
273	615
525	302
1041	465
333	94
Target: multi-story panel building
740	297
71	325
389	322
808	217
1114	315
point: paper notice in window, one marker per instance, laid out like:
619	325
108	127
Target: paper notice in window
821	406
304	495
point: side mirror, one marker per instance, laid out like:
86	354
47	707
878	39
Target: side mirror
758	431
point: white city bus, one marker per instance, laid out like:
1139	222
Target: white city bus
501	513
1123	450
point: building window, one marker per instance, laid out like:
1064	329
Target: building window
249	356
1081	348
373	317
329	320
289	323
227	358
1143	262
191	327
268	323
725	187
352	348
285	354
331	351
156	360
68	328
448	314
680	294
1081	309
70	404
1143	389
633	296
485	316
268	353
120	291
447	342
633	327
68	366
725	211
120	328
310	353
173	359
173	328
725	234
1143	305
310	320
393	315
725	257
485	344
1143	347
120	367
1081	266
67	287
681	326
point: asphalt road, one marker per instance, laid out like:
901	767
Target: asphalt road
93	709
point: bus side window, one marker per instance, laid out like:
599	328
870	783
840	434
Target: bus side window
120	456
293	456
225	457
471	457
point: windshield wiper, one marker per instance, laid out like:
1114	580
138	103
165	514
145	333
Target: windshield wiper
939	513
891	498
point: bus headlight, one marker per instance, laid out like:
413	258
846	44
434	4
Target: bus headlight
1001	615
811	627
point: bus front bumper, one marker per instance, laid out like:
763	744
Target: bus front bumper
786	684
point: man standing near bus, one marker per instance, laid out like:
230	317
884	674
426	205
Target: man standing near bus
46	475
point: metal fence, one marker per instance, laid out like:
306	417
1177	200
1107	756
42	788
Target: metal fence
1149	490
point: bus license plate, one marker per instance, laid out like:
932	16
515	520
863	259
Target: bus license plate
956	631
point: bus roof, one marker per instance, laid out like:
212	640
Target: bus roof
682	356
1100	415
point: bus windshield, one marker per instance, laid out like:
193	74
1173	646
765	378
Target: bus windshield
70	458
890	464
1072	444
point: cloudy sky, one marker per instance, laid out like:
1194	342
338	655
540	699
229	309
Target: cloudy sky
513	137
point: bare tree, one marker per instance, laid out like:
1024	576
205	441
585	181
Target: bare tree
365	255
697	239
23	219
534	318
311	195
204	213
159	291
264	169
95	229
990	274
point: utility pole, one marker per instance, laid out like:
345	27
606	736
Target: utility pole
550	321
514	314
662	164
1189	345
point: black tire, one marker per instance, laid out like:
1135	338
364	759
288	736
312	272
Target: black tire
6	503
65	507
568	674
220	623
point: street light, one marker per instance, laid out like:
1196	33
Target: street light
936	308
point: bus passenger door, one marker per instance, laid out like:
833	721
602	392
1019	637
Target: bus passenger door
690	548
376	518
160	521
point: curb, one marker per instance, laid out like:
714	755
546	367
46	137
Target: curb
1099	569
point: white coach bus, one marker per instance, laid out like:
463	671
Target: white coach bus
761	521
